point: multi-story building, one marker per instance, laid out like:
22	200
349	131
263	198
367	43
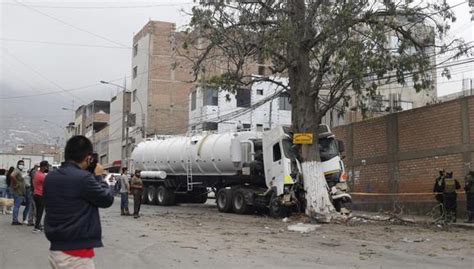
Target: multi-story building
92	121
214	109
118	128
160	81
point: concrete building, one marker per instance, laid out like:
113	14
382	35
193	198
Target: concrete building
209	108
92	121
10	159
160	81
118	150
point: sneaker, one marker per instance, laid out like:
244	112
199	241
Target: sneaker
17	223
31	224
36	230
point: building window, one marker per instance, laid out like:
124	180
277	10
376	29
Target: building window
246	126
135	72
135	50
259	91
210	97
284	102
209	126
134	95
193	100
243	97
259	127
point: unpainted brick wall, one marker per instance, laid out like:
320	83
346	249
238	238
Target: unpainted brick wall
402	153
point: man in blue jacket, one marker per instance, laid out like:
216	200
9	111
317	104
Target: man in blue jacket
72	197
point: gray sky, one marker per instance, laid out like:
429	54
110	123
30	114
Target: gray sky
29	68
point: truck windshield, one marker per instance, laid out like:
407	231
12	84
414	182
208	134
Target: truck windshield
328	148
288	149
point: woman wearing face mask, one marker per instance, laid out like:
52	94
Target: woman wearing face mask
137	190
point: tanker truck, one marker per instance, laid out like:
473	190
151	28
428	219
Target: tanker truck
248	171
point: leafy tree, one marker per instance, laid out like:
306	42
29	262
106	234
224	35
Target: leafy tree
330	50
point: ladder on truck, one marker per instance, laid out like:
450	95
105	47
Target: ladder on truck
189	169
189	173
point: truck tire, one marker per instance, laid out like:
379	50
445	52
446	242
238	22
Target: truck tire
151	195
224	200
277	210
239	203
165	196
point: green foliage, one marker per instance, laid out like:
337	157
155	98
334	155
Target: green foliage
330	50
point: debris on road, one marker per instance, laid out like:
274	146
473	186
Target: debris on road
303	228
415	240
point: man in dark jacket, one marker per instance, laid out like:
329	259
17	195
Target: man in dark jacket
449	187
469	188
72	196
438	189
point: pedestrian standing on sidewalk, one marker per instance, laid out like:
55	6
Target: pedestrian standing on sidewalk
72	197
32	211
124	191
137	191
18	189
469	189
450	186
38	182
438	190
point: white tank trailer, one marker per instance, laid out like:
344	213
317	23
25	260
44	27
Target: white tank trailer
248	170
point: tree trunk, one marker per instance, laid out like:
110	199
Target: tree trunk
306	114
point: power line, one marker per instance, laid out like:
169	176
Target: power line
40	74
71	25
64	44
169	4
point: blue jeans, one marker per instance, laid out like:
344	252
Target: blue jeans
124	200
16	206
28	201
3	192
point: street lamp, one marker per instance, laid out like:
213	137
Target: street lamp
138	100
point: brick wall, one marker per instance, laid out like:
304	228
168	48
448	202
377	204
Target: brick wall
403	152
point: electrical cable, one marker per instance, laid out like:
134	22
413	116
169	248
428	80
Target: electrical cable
41	75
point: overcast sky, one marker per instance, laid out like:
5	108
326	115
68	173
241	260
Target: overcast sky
97	34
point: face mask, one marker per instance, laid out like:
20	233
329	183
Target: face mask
21	167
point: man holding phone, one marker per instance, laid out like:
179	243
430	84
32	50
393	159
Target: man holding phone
72	197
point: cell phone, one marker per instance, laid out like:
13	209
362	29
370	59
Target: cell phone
93	163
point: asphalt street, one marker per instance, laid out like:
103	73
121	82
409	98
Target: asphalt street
198	236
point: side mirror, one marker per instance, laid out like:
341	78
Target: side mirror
341	146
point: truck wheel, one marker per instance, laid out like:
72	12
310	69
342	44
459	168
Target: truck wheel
277	210
165	196
224	200
151	195
239	204
145	195
337	204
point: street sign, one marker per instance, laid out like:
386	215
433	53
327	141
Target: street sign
303	138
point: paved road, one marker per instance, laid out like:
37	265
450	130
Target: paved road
197	236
